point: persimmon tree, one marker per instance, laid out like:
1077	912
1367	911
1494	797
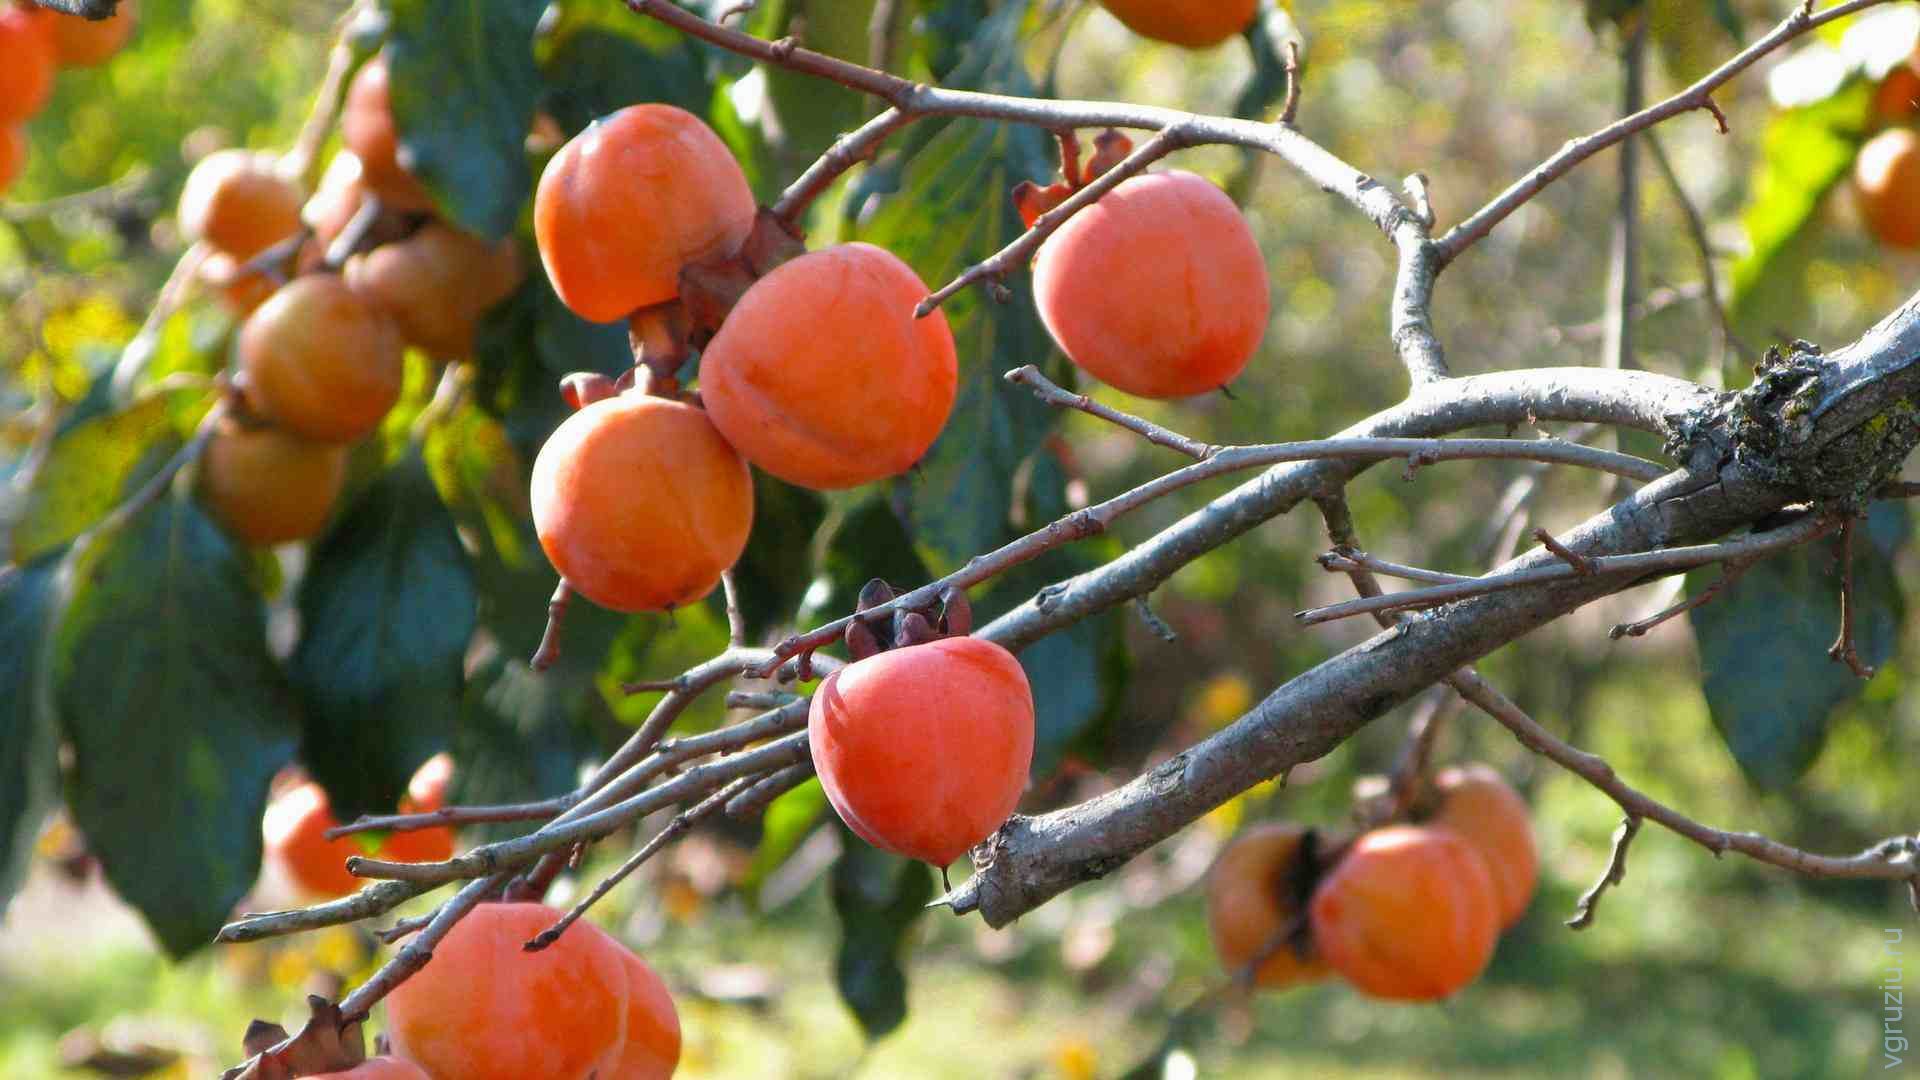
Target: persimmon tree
428	613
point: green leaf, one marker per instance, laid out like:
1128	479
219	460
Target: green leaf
1805	152
785	825
809	112
84	476
524	346
464	85
29	766
1769	685
387	608
877	898
772	573
950	208
523	736
177	715
601	58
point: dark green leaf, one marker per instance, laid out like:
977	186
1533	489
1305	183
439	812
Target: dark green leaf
1763	646
177	715
869	542
808	111
951	209
597	62
523	735
522	349
1267	36
387	608
773	572
29	768
1729	19
877	898
464	86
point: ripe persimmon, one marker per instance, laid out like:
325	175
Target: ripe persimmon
1256	891
1195	24
81	42
1409	914
924	750
1487	813
640	504
426	792
435	284
1157	289
484	1008
237	202
26	75
1886	177
13	154
630	201
320	361
295	833
822	376
368	130
269	487
652	1047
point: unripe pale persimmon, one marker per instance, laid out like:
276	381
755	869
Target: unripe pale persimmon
27	61
629	202
13	154
81	42
368	130
1195	24
640	504
435	284
320	361
237	202
1157	289
377	1068
1409	914
1886	176
822	376
484	1008
269	487
924	750
652	1047
1487	813
1256	890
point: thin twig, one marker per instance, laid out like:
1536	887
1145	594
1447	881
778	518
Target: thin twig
1729	573
1155	623
1053	394
1623	264
750	803
1697	96
1703	247
736	622
846	152
1582	565
1290	104
414	954
549	650
1347	560
1615	873
1644	562
1842	649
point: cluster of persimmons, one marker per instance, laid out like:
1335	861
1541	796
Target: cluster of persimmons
321	354
35	43
1406	911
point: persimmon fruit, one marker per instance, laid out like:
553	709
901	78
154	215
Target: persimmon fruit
1886	177
80	42
435	284
13	154
320	361
486	1009
652	1047
238	203
269	487
1258	889
295	832
368	130
243	292
1477	803
630	201
822	376
1409	913
426	792
1157	289
1196	24
640	503
924	750
1897	98
26	76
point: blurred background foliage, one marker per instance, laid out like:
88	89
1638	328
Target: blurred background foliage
1697	966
